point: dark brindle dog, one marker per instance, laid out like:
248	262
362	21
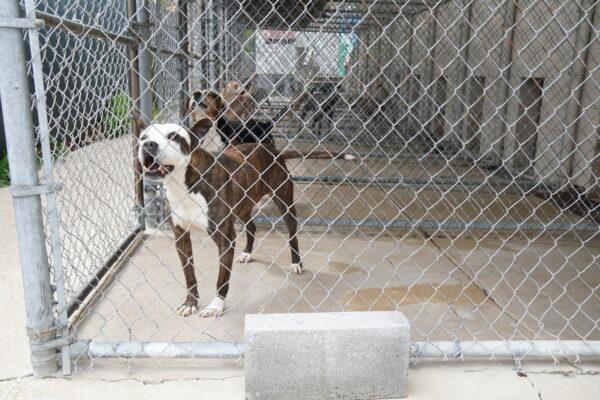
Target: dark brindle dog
209	192
234	110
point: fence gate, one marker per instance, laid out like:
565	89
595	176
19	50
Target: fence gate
465	191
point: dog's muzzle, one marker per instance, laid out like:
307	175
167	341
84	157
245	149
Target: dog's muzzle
152	168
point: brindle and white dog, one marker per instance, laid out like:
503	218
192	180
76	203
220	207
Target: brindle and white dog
209	192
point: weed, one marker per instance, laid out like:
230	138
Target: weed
4	172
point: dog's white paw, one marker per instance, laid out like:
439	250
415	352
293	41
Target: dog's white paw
186	310
244	258
296	269
214	309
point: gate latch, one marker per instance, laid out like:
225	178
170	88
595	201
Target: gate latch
25	191
22	23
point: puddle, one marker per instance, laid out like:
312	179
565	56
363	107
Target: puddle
386	299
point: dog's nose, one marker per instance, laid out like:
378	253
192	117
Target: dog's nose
150	147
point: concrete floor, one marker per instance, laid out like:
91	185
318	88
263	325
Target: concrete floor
95	205
224	379
493	287
93	225
448	288
479	286
488	286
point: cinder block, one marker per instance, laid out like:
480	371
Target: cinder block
353	355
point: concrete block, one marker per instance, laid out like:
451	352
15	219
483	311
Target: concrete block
351	355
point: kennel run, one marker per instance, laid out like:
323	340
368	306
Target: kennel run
471	206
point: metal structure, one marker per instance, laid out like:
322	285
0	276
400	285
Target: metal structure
473	204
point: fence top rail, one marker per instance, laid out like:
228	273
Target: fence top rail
80	29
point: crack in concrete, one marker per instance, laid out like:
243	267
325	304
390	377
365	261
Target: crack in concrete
116	380
539	394
16	378
579	372
572	364
155	381
524	374
472	280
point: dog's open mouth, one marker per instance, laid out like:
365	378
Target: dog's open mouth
152	168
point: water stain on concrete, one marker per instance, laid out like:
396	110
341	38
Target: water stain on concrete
344	268
378	299
466	245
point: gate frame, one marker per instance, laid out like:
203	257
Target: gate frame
26	189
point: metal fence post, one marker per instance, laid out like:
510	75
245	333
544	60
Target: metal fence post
144	60
53	219
508	60
16	104
430	86
134	92
152	200
212	46
466	76
580	74
184	62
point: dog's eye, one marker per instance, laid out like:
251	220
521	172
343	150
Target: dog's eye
171	135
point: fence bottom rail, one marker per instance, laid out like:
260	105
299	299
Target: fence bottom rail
515	349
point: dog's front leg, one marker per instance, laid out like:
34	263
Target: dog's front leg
224	237
250	229
183	242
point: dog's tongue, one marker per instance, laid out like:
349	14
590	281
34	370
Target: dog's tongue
162	170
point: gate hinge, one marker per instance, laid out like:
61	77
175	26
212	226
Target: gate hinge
41	336
54	343
38	339
25	191
22	23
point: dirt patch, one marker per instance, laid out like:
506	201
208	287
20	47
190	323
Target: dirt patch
378	299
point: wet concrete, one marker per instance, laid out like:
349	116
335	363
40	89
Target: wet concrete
447	289
549	287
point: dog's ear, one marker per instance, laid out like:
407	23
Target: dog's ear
199	130
217	98
141	124
250	84
193	101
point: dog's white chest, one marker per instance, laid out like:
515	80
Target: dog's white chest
187	209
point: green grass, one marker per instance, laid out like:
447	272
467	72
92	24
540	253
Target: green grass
4	173
58	148
116	118
249	41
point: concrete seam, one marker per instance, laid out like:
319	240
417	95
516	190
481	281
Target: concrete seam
476	283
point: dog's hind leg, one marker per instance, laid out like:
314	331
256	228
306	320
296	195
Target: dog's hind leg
250	229
284	199
183	242
224	237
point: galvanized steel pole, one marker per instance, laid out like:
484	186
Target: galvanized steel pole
144	60
153	201
16	107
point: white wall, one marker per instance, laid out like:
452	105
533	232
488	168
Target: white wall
280	58
566	146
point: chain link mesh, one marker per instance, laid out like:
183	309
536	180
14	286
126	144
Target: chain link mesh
472	204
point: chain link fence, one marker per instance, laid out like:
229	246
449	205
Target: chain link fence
467	198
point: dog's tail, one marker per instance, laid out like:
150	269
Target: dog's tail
316	155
